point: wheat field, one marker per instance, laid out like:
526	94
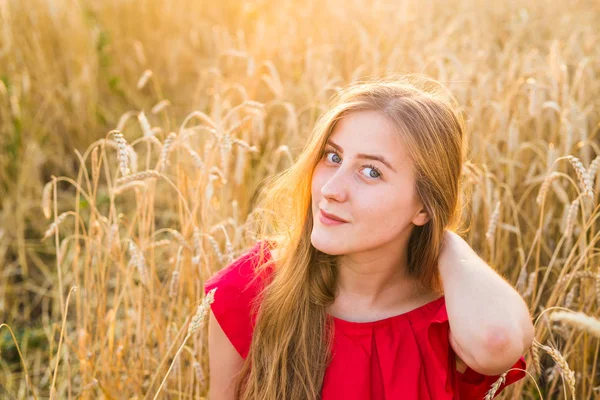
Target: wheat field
135	136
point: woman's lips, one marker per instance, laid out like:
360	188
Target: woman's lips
327	220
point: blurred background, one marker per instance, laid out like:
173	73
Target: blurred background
135	135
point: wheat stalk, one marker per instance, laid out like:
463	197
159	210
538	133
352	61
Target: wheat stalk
489	235
199	373
558	358
578	274
197	160
593	169
195	324
178	237
145	124
46	194
158	243
129	185
123	153
215	245
160	106
111	238
495	386
209	190
530	284
521	280
166	149
144	79
244	145
175	276
138	260
545	186
582	176
571	295
54	226
571	215
597	287
535	355
285	150
196	237
579	320
139	176
228	246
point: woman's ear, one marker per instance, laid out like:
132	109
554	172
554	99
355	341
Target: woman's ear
421	218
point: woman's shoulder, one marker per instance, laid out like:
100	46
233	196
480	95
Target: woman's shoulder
242	273
237	288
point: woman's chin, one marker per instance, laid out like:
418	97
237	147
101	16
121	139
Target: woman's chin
327	245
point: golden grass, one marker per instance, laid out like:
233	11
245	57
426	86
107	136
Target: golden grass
135	150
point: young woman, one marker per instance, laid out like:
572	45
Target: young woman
358	288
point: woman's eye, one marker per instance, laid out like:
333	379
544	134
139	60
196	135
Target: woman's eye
374	173
334	156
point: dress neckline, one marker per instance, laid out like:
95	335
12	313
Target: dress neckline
359	324
344	322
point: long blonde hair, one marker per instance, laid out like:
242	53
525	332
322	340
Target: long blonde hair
290	347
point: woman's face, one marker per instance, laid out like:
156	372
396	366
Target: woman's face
377	197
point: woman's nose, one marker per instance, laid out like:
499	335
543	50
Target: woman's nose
335	188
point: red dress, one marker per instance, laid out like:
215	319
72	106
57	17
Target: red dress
407	356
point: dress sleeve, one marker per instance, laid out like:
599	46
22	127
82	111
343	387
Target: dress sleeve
232	305
470	384
438	337
473	385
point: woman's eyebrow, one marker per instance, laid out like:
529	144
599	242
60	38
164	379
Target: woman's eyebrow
364	156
